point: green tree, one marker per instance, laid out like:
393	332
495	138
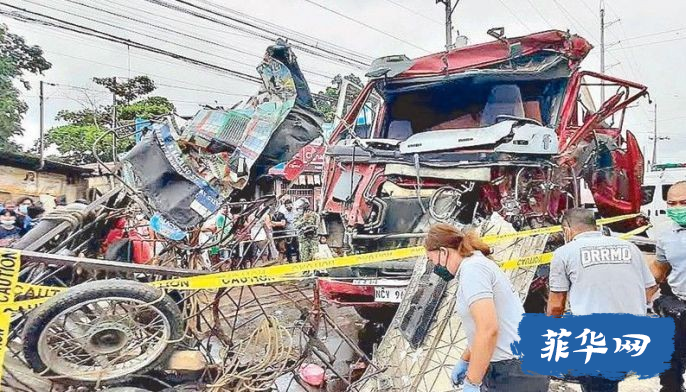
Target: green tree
328	98
75	140
128	90
75	143
16	59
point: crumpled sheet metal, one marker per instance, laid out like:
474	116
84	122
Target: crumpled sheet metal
157	167
428	368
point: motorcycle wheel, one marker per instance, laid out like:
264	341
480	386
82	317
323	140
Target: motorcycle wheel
102	332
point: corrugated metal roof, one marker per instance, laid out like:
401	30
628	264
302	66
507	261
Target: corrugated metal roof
32	162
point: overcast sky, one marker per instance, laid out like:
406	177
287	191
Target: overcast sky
647	44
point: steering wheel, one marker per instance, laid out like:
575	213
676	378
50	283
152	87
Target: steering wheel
503	117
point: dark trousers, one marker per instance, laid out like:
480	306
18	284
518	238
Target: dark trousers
508	376
670	306
292	249
598	384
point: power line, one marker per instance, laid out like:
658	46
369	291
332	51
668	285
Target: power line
540	14
169	18
201	90
152	36
136	32
571	17
304	46
344	16
653	34
147	23
588	7
25	19
146	58
288	32
113	38
648	44
415	12
140	72
511	11
174	31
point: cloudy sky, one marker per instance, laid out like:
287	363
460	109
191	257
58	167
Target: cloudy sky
646	43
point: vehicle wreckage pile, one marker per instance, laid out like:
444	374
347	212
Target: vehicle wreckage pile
498	136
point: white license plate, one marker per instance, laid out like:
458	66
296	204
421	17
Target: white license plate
388	294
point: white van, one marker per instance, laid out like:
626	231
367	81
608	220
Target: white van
656	183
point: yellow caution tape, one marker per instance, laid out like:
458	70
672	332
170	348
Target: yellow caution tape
264	275
527	261
10	261
280	273
493	239
272	274
36	291
545	258
24	305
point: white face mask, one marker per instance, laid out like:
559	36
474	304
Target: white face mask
8	222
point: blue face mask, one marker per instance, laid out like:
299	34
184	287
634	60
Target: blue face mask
23	208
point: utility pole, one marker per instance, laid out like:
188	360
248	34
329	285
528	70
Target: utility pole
655	137
114	119
41	141
603	47
114	104
449	8
41	126
602	50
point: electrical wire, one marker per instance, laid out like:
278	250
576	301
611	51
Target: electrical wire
304	46
169	18
588	7
653	34
344	16
288	32
62	24
415	12
154	76
647	44
540	14
573	19
157	38
511	11
175	31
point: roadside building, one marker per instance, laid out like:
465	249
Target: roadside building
21	176
301	176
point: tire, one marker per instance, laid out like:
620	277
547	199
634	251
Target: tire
105	335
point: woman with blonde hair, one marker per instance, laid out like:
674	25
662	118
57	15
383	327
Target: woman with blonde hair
490	311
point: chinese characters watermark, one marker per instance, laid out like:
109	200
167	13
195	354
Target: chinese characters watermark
592	343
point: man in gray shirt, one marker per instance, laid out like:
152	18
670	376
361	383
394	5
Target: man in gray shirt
670	253
601	274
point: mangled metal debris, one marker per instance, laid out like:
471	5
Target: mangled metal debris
505	127
497	135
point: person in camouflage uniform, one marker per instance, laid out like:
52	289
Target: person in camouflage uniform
307	225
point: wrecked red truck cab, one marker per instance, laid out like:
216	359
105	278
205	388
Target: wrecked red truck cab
507	127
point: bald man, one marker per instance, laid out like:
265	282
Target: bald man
670	254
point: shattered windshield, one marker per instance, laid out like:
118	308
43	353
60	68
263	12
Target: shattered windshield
470	103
